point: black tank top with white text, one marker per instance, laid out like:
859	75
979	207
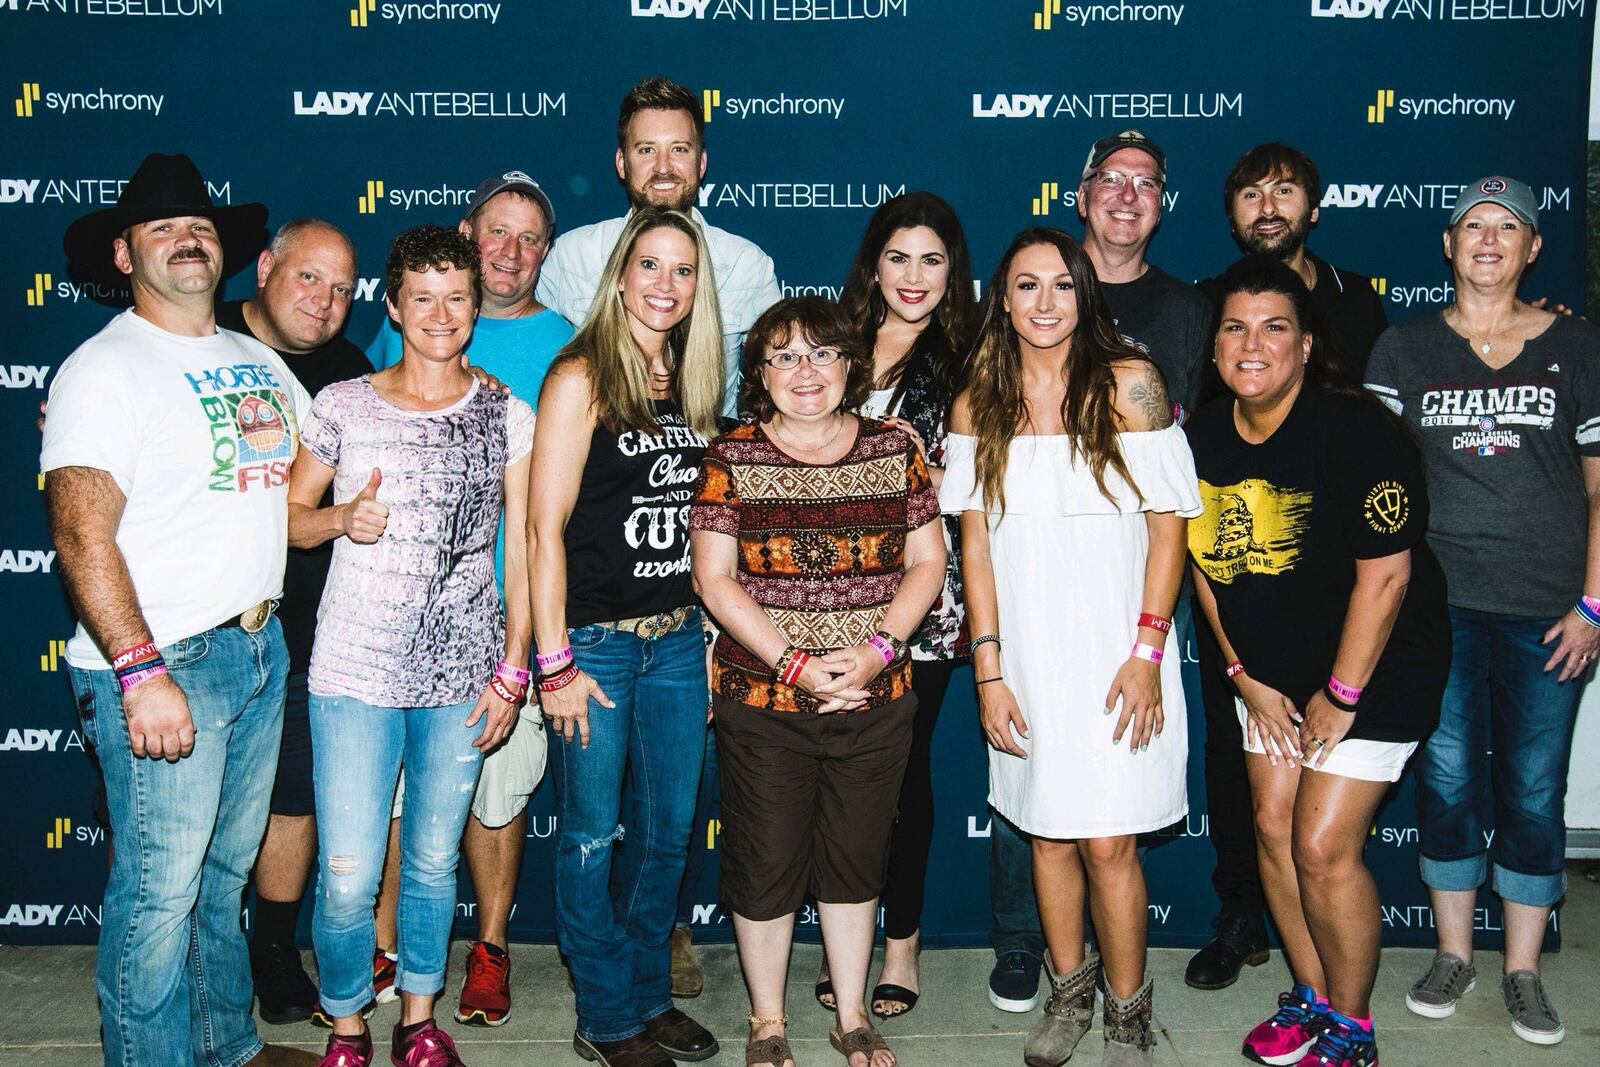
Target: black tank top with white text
628	538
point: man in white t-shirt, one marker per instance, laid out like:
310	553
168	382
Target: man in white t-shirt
167	459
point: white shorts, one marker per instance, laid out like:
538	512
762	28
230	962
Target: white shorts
510	773
1368	761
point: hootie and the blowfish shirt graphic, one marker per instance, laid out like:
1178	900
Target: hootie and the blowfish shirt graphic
1284	523
1503	448
199	434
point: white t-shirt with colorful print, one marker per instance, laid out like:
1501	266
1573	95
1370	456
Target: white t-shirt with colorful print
199	434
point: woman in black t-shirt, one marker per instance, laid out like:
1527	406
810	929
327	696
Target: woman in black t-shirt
624	416
1330	611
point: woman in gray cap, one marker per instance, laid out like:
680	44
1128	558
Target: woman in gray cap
1506	400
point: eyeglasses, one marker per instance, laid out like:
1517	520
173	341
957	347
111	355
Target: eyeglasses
1114	180
818	357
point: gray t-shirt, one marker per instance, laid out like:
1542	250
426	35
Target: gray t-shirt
412	620
1169	320
1510	519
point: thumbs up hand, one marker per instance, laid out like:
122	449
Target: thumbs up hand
363	518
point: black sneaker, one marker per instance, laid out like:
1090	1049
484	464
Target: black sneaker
1014	982
284	991
1240	939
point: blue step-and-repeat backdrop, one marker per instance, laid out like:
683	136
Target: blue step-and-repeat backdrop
381	115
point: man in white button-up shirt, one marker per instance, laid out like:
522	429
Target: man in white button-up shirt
661	158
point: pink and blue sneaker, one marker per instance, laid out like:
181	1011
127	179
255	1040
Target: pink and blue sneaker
1342	1042
1288	1036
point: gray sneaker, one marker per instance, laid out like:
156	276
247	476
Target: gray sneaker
1435	994
1532	1016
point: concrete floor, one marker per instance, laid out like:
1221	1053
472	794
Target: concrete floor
48	1019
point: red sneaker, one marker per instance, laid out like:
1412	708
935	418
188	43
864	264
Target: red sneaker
383	969
348	1051
486	992
428	1047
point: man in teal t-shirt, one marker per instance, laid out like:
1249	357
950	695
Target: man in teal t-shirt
516	339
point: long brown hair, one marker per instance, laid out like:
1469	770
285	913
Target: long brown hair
946	338
994	381
618	379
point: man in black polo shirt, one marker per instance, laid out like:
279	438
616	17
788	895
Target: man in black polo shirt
1270	197
304	283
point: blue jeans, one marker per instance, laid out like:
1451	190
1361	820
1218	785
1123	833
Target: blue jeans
1013	906
638	777
1493	776
360	749
173	972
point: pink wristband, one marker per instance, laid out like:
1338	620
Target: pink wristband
1349	693
549	661
520	675
128	681
885	649
1149	652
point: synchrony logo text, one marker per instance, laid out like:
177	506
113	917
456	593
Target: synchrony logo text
1052	12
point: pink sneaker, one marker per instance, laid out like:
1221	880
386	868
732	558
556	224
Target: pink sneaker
428	1047
1287	1036
348	1051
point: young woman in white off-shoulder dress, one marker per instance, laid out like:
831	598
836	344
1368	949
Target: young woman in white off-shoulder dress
1074	487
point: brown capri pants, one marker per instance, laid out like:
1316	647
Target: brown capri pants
808	802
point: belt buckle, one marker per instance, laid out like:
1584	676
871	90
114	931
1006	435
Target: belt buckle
254	620
654	626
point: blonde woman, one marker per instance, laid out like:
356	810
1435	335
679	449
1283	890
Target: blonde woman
624	417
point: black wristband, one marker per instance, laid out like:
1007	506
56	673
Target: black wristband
1336	701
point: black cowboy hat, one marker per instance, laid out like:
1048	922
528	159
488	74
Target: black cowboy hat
164	187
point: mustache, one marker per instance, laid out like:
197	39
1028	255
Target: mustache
194	252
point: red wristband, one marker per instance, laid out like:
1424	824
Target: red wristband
504	691
129	656
559	680
1155	622
1235	669
795	667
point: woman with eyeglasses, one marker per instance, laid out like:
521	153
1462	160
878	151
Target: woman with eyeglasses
816	545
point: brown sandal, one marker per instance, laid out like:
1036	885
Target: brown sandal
772	1050
863	1039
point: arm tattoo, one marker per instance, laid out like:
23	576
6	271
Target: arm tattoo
1149	395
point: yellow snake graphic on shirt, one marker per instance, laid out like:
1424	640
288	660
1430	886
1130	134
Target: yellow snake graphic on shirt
1253	527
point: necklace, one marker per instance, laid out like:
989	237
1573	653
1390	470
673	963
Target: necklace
1486	345
814	448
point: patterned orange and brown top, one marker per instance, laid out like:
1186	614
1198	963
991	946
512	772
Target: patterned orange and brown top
821	548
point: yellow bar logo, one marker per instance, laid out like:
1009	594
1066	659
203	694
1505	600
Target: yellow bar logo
57	838
25	102
1041	18
712	99
1384	101
1048	192
368	204
41	285
1380	286
51	660
358	14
